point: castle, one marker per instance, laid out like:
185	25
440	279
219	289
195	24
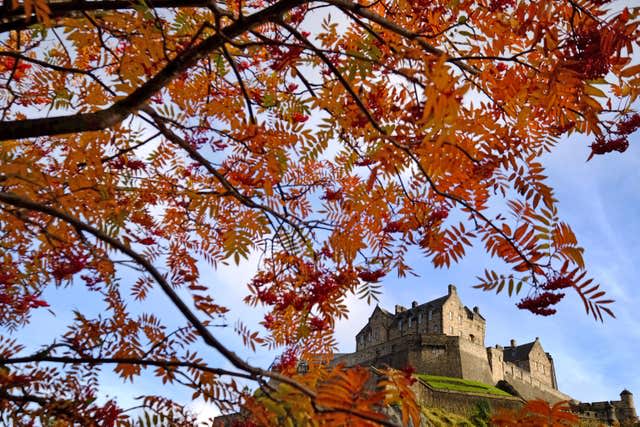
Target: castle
444	337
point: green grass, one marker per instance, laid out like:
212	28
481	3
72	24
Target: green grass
458	384
440	417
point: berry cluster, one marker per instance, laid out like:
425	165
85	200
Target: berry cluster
68	264
371	276
287	361
500	5
557	282
618	138
540	304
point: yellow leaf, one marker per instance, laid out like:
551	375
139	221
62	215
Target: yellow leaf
594	91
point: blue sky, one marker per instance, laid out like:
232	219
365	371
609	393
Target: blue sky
594	361
601	200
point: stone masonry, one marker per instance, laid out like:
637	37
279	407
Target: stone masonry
444	337
612	413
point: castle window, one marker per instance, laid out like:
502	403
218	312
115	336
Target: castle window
400	324
430	314
419	317
472	338
409	322
460	318
452	330
451	315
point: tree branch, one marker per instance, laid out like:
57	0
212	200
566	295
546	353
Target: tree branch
15	19
43	357
208	338
404	148
360	10
136	100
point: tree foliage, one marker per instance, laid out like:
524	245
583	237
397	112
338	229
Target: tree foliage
145	143
537	413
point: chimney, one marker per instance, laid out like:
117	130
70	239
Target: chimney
476	310
399	309
513	343
414	304
452	289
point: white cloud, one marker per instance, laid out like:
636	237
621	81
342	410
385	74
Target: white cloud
582	379
204	411
346	329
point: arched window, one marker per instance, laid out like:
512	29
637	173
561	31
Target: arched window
472	338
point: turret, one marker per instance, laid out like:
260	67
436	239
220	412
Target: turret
626	408
627	398
452	289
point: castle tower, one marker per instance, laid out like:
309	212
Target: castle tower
627	398
626	409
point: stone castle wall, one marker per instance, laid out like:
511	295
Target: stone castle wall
460	402
444	337
610	413
425	352
474	363
453	356
529	386
436	353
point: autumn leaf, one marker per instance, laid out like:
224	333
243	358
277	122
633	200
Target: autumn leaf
145	146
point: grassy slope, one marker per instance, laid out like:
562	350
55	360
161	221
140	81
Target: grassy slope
439	417
458	384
